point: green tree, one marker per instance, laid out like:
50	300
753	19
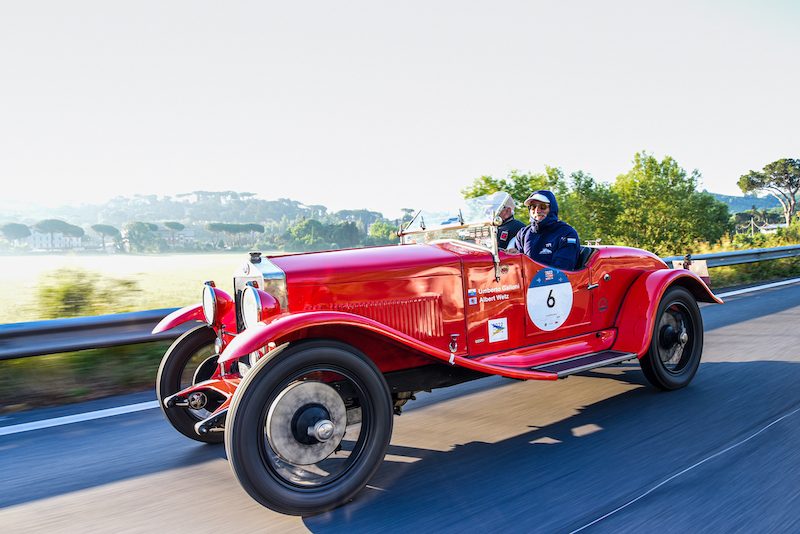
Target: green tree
383	232
105	230
345	235
141	236
408	214
662	210
781	179
15	231
591	207
308	234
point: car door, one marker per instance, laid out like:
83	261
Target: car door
558	303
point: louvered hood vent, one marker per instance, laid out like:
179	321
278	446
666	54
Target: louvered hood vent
419	317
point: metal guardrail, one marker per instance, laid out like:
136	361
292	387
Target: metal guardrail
20	340
723	259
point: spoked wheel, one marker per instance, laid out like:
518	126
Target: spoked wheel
677	343
190	359
308	427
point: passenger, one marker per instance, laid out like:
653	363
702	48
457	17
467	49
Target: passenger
508	230
547	240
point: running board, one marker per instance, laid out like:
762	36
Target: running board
584	363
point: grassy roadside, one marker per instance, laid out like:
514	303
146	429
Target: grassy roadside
78	376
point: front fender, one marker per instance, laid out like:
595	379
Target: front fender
637	314
183	315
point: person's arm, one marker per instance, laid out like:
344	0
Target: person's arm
566	255
511	247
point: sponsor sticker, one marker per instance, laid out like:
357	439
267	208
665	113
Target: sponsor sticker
498	330
549	299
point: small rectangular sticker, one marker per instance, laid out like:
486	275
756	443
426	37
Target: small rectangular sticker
498	330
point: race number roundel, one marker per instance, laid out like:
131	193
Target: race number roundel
549	298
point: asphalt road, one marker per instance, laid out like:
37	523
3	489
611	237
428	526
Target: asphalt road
599	450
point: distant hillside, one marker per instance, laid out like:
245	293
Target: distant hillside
746	203
195	208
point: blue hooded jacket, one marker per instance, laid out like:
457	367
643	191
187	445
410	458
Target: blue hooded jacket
551	241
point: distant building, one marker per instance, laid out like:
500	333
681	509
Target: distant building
771	228
176	238
54	241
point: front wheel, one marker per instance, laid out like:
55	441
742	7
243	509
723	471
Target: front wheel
190	359
308	427
677	344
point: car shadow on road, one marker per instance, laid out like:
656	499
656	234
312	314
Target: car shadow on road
565	474
111	450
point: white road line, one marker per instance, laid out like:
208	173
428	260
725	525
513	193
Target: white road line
77	418
758	288
676	475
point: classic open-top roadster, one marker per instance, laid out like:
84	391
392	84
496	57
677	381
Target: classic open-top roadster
301	368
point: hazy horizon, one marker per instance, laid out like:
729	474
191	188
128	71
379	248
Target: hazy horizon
384	105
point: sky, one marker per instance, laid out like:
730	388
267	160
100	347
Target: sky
384	105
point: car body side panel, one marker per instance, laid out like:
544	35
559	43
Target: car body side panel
282	328
637	314
614	269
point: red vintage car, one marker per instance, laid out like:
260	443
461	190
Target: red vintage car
301	368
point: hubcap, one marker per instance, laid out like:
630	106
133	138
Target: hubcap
197	400
322	431
306	422
673	337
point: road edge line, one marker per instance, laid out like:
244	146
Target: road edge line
77	418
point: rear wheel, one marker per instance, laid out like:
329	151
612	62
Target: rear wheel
190	359
308	427
677	344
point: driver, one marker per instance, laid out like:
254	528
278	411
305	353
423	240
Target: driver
547	240
510	226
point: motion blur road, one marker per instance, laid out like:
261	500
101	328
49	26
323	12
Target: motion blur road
488	455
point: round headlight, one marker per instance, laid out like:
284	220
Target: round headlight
251	306
209	303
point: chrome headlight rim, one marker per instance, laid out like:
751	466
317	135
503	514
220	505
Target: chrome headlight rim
251	306
209	303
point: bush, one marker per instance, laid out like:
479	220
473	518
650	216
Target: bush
77	293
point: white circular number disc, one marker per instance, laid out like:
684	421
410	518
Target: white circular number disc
549	298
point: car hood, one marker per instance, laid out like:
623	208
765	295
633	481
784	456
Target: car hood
368	264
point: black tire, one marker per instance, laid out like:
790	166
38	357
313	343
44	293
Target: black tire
179	370
332	480
672	359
